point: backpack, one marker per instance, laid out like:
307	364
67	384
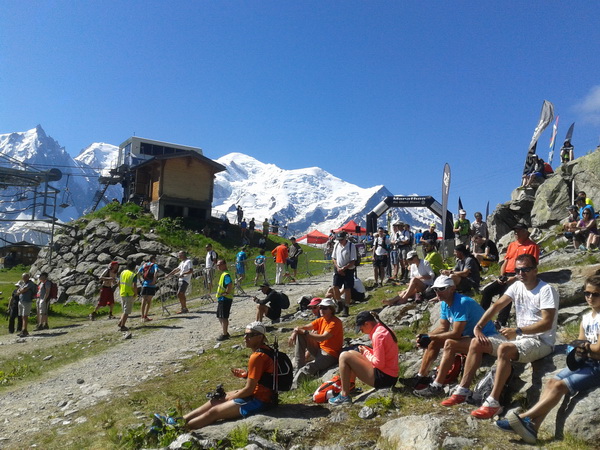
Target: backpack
53	290
147	272
283	377
484	387
328	390
284	300
455	370
358	259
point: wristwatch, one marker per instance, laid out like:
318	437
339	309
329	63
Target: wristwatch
519	331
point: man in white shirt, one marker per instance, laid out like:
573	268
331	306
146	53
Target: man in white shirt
210	265
184	277
344	259
421	277
381	249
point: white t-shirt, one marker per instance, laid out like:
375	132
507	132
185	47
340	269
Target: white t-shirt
183	267
529	306
378	242
591	327
359	286
209	259
343	254
423	269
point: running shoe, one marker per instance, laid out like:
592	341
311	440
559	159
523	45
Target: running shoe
339	400
223	337
486	412
523	427
422	383
430	391
456	399
504	425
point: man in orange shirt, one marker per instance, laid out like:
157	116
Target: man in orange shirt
281	255
522	245
322	338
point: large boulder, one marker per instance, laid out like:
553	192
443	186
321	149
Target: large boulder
413	432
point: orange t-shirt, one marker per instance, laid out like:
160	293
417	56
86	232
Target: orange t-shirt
258	364
334	326
280	253
515	249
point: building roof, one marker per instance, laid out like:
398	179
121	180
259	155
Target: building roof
215	165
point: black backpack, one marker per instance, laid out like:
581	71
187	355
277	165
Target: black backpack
284	301
282	378
484	387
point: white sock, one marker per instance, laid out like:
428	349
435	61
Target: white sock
491	402
419	375
436	384
462	391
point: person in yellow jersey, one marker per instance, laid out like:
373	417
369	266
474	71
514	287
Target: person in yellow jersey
129	292
224	298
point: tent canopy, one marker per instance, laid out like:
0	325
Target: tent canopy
350	227
314	237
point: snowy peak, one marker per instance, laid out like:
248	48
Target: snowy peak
99	156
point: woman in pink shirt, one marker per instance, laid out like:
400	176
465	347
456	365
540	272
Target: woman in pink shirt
377	366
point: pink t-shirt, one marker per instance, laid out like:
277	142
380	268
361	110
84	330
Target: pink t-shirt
384	355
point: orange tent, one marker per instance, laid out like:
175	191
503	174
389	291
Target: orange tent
350	227
314	237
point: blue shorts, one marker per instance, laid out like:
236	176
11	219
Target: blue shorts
394	257
588	377
240	268
250	406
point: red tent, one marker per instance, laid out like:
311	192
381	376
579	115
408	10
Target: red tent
314	237
350	227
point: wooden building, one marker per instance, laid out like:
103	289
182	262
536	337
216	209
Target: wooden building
170	180
18	253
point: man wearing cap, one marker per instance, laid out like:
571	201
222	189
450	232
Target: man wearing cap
459	315
224	298
294	251
522	245
254	397
344	259
421	277
210	264
536	305
466	271
109	280
430	235
462	228
381	249
322	338
280	253
270	306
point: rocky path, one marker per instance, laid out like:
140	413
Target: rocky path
71	388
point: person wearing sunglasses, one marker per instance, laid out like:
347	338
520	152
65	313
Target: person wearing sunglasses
567	381
253	398
322	338
458	317
536	306
585	236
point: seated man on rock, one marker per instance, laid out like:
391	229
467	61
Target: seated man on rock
459	315
433	257
322	338
536	305
466	271
421	277
583	373
485	250
270	306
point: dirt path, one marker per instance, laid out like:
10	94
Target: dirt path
73	387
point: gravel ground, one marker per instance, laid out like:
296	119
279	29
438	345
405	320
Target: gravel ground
64	392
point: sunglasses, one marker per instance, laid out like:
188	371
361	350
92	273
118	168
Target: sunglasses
440	289
524	269
314	307
591	294
323	307
251	335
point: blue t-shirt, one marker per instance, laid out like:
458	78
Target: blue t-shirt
260	259
153	270
240	258
465	309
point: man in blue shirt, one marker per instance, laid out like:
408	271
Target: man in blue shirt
458	318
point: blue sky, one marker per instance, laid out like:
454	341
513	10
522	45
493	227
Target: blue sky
373	92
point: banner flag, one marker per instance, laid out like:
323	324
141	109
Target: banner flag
445	193
460	206
487	211
553	140
546	116
569	135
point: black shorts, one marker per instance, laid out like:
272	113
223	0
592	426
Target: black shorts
224	308
380	261
273	314
148	290
293	263
182	286
346	280
383	380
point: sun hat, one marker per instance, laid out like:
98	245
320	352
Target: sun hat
328	302
257	326
443	281
411	255
315	301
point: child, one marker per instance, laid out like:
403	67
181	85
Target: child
259	263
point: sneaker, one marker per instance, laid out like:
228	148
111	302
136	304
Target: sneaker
223	337
123	328
486	412
339	400
504	425
183	311
160	421
24	334
46	327
430	391
523	427
92	316
455	399
422	383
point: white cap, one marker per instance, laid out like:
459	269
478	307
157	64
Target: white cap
443	281
257	326
328	302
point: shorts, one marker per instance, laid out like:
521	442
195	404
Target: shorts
403	251
148	291
107	296
273	314
380	261
42	306
292	262
260	269
25	308
346	280
182	286
383	380
224	308
588	377
209	274
530	348
127	303
240	268
394	257
250	406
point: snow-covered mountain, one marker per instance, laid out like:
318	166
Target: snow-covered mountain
77	187
301	200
